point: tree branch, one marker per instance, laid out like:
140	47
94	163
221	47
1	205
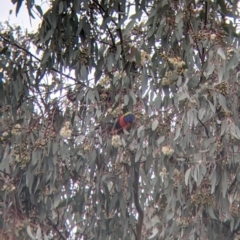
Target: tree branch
139	224
55	227
108	29
120	33
206	130
101	7
205	24
39	60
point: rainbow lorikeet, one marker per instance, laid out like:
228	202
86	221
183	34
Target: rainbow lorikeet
124	122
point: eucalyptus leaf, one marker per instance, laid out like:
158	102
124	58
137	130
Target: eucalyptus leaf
29	231
154	124
187	175
221	53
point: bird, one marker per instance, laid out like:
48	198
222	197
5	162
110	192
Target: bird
125	121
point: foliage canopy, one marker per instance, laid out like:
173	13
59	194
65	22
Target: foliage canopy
174	175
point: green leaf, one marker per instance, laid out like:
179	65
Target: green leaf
213	180
19	4
138	154
210	69
55	148
195	173
232	224
139	130
57	200
48	35
187	174
137	15
144	79
158	101
201	174
191	116
113	202
170	216
220	74
123	207
39	233
93	156
154	233
46	56
233	131
224	127
123	142
126	99
60	7
154	124
76	5
45	237
211	212
132	94
177	134
39	9
29	231
224	183
232	63
138	56
160	140
222	101
178	17
109	62
221	53
152	13
129	27
211	106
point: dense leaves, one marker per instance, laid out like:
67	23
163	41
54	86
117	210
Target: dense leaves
65	174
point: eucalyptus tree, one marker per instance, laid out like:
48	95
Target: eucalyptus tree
65	174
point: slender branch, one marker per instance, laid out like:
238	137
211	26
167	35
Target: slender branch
101	9
196	42
55	227
134	232
205	24
144	9
139	224
5	173
120	33
203	126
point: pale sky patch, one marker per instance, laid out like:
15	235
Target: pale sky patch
22	19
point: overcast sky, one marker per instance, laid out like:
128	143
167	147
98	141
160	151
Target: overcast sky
22	18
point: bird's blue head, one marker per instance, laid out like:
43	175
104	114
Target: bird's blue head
129	117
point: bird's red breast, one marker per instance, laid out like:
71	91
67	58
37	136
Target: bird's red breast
124	124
